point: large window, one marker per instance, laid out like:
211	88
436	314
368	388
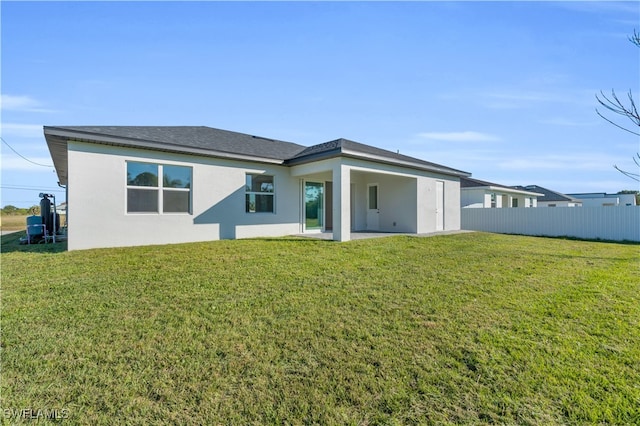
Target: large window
259	193
148	194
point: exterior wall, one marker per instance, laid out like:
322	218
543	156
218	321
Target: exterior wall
587	222
452	204
598	200
97	200
474	198
427	203
97	196
406	196
410	198
396	202
359	183
557	204
522	200
481	198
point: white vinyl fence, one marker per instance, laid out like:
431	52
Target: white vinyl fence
605	223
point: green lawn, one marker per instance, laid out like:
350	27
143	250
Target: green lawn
460	329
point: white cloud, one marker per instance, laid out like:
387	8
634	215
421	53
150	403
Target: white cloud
589	162
466	136
527	94
22	103
21	130
521	98
559	121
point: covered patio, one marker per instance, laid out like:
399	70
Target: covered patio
344	201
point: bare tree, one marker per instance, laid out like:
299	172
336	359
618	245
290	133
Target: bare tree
635	38
613	104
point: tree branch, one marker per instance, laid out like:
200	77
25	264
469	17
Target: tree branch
635	38
615	105
634	176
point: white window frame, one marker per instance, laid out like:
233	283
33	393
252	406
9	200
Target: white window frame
160	188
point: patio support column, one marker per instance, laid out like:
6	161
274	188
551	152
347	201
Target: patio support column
341	202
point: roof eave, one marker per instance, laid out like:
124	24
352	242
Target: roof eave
310	158
325	155
410	164
504	189
58	151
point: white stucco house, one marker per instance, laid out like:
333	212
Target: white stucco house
602	199
476	193
132	185
550	198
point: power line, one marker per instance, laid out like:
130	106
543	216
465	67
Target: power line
31	188
22	156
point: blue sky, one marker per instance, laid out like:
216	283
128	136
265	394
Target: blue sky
504	90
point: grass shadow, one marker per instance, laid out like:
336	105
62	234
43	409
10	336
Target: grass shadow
10	243
569	238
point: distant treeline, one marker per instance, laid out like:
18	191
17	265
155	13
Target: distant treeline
10	210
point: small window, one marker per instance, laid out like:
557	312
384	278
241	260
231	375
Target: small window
142	174
259	194
176	177
514	202
175	201
142	188
147	194
373	197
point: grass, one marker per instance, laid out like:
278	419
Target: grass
461	329
17	222
13	223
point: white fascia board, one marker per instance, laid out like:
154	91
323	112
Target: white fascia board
512	191
387	160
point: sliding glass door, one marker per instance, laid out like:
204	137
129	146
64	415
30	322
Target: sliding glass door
313	205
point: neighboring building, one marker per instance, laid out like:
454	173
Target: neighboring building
599	199
476	193
551	198
134	185
62	208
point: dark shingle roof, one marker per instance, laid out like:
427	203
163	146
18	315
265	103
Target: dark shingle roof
196	137
467	182
347	147
548	195
201	140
